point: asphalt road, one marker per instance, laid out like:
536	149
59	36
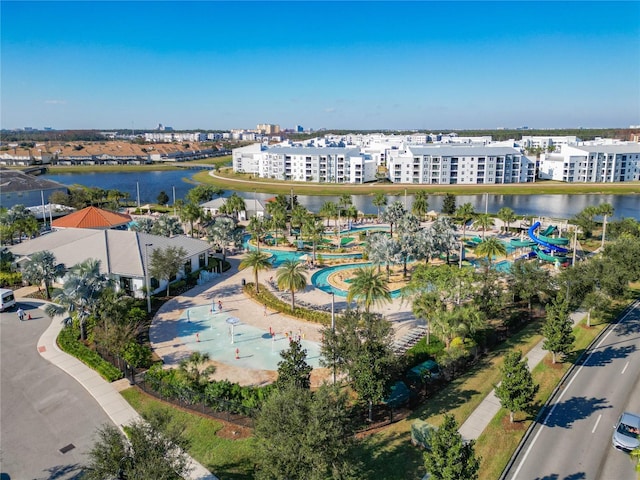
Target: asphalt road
573	439
42	409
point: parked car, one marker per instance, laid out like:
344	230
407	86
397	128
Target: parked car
7	300
626	432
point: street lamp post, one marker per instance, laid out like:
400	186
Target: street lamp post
146	274
333	329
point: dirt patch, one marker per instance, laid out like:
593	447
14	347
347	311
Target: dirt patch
555	366
233	432
516	426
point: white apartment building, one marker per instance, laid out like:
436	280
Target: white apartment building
592	163
544	142
305	164
459	164
168	137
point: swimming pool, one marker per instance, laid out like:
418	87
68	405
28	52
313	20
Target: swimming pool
207	332
320	279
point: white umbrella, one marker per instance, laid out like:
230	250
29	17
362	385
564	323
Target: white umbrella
233	321
303	258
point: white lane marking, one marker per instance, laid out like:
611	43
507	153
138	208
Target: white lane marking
624	369
597	422
515	475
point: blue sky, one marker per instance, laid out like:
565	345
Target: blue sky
348	65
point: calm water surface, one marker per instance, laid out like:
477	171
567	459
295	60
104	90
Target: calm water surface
151	183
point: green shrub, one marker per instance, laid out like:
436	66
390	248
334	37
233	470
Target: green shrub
136	355
68	341
272	302
10	279
177	285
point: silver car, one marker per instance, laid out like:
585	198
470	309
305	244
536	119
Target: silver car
626	433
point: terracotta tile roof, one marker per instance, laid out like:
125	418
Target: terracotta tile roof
92	217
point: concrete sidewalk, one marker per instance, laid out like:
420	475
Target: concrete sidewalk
105	393
489	407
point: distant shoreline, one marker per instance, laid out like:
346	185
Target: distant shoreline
230	181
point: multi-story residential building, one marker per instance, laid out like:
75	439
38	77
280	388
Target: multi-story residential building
592	163
544	142
459	164
268	129
306	164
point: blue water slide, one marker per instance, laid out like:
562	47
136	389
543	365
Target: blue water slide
548	245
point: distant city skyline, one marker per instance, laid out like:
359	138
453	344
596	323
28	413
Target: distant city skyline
334	65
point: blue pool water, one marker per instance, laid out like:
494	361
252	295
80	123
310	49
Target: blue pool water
257	350
320	279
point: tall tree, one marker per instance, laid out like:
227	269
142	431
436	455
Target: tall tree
368	288
527	279
360	346
143	224
42	268
162	198
166	226
383	249
257	227
221	232
507	216
465	212
290	276
557	330
202	193
307	435
152	450
293	369
424	306
234	205
485	221
257	261
329	210
313	230
379	200
420	205
392	214
491	247
165	263
409	248
449	204
606	210
80	293
448	456
191	213
516	390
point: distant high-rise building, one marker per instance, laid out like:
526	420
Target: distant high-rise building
299	129
268	129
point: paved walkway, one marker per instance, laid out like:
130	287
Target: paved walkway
489	407
105	393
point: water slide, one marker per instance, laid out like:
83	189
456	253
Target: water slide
551	249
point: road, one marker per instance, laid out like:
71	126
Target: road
573	439
42	409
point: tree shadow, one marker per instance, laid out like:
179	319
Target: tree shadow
73	471
387	456
576	408
555	476
600	358
628	327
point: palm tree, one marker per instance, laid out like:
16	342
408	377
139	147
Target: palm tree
290	276
424	306
258	261
234	205
80	292
420	205
278	222
166	226
392	214
257	227
606	210
329	210
143	224
190	212
465	212
298	216
383	250
379	200
458	321
490	248
485	221
42	268
368	288
196	370
507	216
313	230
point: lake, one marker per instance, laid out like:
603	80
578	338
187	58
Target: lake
151	183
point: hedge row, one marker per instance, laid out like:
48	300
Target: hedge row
10	279
68	341
265	297
217	395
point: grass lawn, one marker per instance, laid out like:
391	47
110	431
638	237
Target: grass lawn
228	459
226	179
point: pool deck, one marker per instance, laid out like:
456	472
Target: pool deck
227	288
